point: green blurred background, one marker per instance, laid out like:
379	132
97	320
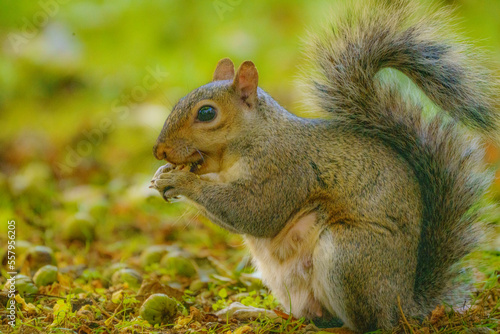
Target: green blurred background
85	87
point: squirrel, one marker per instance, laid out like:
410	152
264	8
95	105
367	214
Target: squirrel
360	216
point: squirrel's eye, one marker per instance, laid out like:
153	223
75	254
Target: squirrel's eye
206	113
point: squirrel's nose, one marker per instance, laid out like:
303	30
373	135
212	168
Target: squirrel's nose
160	151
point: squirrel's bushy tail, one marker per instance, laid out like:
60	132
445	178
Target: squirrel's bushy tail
447	162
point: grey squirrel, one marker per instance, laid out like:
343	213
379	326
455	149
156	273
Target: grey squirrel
360	215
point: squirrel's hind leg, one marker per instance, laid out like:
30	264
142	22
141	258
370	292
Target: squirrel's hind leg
363	274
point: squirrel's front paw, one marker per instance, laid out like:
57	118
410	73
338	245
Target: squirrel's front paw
173	182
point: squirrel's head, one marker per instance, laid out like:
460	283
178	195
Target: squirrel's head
202	124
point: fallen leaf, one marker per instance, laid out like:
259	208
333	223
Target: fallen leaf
195	313
182	321
152	285
282	314
437	314
83	329
243	330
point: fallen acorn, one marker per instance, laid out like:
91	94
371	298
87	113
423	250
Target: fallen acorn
81	227
46	275
179	264
129	276
108	272
39	256
152	254
24	287
159	309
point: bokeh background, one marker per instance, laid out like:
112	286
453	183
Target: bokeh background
85	87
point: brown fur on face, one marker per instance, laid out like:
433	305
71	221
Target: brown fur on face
185	139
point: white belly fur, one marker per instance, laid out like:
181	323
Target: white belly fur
287	266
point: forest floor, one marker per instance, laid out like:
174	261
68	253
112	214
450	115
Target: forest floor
88	257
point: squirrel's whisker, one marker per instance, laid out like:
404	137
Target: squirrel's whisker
201	155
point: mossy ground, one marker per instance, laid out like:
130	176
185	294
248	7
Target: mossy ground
88	298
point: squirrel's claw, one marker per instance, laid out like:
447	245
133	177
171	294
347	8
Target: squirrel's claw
164	169
170	184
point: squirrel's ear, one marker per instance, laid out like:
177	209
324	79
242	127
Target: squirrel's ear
224	70
246	81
